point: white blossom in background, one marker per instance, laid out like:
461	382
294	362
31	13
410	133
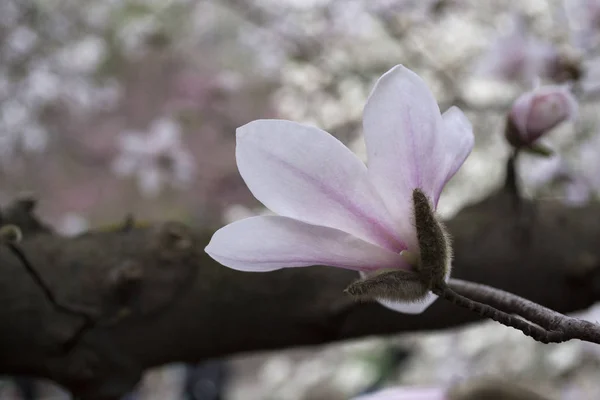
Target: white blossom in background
20	41
97	14
166	382
34	138
300	4
406	393
271	54
42	64
539	173
9	12
587	163
41	84
19	131
517	56
133	34
417	10
72	224
82	56
583	17
576	193
350	18
155	158
13	114
590	82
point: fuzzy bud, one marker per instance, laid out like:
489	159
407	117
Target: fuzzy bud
535	113
432	265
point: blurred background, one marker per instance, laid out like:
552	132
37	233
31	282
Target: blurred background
113	106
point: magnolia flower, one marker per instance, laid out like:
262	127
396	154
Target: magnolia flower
536	112
401	393
331	209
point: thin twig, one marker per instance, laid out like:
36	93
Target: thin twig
508	302
532	330
541	323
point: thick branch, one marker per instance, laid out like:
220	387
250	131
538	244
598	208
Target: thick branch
159	298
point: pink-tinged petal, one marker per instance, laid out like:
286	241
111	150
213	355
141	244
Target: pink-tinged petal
406	143
267	243
459	140
304	173
406	393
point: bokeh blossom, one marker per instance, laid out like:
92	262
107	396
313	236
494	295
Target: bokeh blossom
583	17
156	158
569	185
331	209
518	56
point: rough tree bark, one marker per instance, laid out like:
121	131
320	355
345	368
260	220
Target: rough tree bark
152	296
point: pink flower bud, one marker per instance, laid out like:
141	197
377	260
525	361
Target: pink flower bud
536	112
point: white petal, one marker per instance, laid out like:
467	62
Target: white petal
404	133
405	393
410	308
302	172
402	123
459	140
267	243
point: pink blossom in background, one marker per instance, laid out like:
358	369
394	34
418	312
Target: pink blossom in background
192	90
536	112
416	9
331	209
588	164
155	158
583	17
539	172
518	56
577	191
590	82
406	393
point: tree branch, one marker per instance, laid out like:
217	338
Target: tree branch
562	327
536	332
161	299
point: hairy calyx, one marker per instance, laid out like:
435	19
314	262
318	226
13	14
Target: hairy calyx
431	266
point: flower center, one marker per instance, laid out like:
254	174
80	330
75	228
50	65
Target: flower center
410	257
